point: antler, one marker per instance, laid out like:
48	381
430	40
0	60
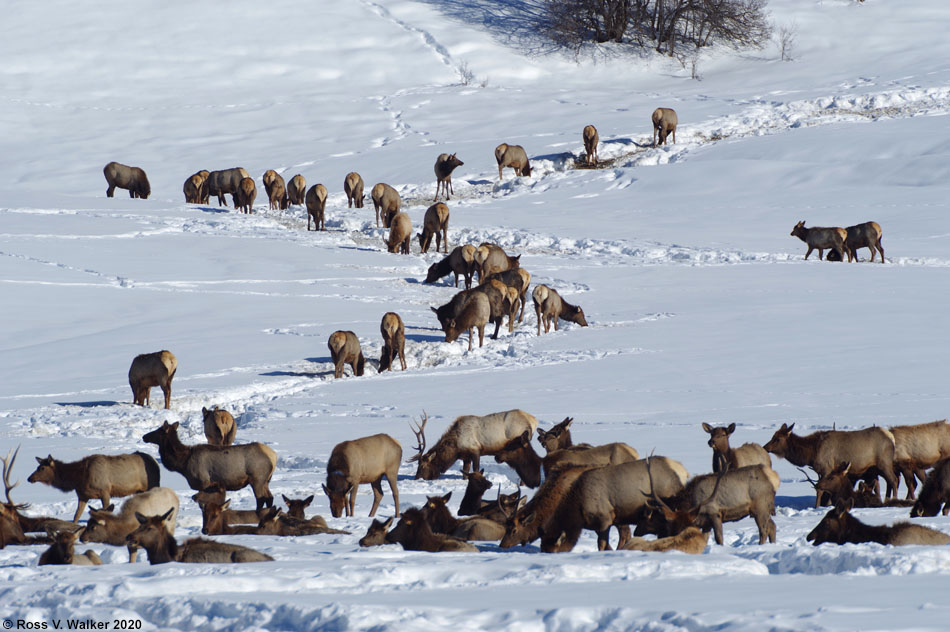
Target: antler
7	470
419	431
653	493
813	482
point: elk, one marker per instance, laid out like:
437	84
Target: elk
870	451
664	124
394	341
935	492
549	307
365	460
245	195
215	494
690	540
585	454
558	437
610	496
468	438
110	528
345	349
746	454
400	234
297	190
161	546
353	187
518	279
436	513
297	506
414	534
13	525
276	190
820	238
711	499
316	207
490	258
445	164
460	261
527	522
131	178
152	369
918	447
475	488
591	138
196	188
225	181
512	156
274	522
217	519
521	457
234	466
376	534
498	304
840	527
468	310
867	235
61	550
219	426
386	201
98	476
435	223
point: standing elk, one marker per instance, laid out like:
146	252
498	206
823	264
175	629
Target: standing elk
414	534
512	156
353	187
436	513
435	224
867	235
394	341
110	528
234	466
161	546
245	195
61	550
316	207
819	238
468	310
400	234
746	454
518	279
386	201
468	438
125	177
196	188
345	349
366	460
490	258
98	476
297	189
461	261
664	124
445	164
550	307
152	369
276	190
219	426
840	527
591	138
918	447
935	492
225	181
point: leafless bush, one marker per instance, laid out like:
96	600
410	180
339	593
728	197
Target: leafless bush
786	36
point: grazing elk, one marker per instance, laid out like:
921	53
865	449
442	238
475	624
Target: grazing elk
518	279
245	195
110	528
196	188
316	207
499	303
549	307
353	187
867	235
460	261
468	438
219	426
820	238
840	527
468	310
377	532
386	201
918	447
870	451
445	164
125	177
591	138
394	341
528	521
297	190
435	223
152	369
234	466
746	454
512	156
161	546
690	540
345	349
935	492
215	494
61	550
276	190
436	513
225	181
98	476
490	258
414	534
400	234
664	124
366	460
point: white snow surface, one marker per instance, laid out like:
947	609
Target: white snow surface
700	304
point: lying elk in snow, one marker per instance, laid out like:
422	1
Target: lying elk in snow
690	540
124	177
152	369
441	520
513	156
867	235
225	181
935	492
746	454
468	438
345	349
491	258
840	527
219	426
394	341
549	307
234	466
110	528
215	494
296	507
316	201
376	534
61	550
414	534
98	476
820	239
366	460
664	124
435	224
591	138
386	201
445	164
461	261
467	311
161	546
353	187
275	522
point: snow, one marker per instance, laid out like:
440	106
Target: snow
700	305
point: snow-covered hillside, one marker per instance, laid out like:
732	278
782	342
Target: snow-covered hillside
700	305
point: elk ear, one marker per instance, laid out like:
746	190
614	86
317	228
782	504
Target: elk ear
174	426
110	508
482	471
38	460
521	502
526	437
567	422
326	491
731	428
142	519
168	513
308	500
845	467
434	309
707	427
286	500
388	522
789	428
445	498
226	504
204	411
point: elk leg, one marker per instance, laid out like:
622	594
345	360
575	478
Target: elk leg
392	477
623	531
351	501
497	327
402	357
716	521
809	252
80	509
167	391
481	335
475	460
133	552
908	474
603	539
471	332
377	486
881	250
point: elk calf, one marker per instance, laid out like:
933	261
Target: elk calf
161	546
394	341
345	349
445	164
549	307
316	207
512	156
415	534
664	124
125	177
821	238
461	261
297	189
110	528
400	234
436	513
365	460
353	187
387	203
591	138
435	223
219	426
840	527
152	369
245	195
61	551
867	235
747	454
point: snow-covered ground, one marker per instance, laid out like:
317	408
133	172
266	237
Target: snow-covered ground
701	308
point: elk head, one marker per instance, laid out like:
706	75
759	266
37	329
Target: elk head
376	534
45	471
161	435
296	507
436	513
834	526
212	517
778	444
150	532
834	486
664	521
557	437
336	489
